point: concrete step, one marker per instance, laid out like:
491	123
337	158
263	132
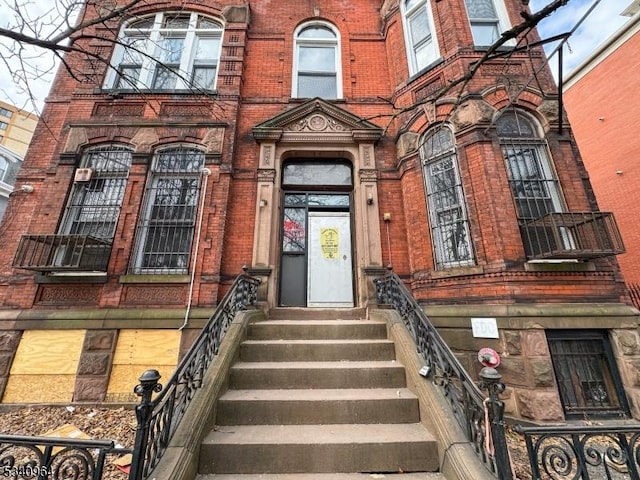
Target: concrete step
316	350
319	449
317	407
325	476
300	375
295	313
317	330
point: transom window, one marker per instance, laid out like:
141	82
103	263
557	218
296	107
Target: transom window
422	45
445	200
165	230
488	19
533	181
167	51
316	71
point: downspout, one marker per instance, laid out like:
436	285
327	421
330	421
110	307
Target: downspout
205	172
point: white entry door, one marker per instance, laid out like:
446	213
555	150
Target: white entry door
329	273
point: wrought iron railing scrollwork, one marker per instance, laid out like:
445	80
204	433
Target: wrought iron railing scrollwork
159	417
44	458
464	397
589	452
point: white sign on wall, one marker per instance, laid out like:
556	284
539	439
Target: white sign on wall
484	328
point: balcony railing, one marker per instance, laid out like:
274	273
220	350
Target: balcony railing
583	235
58	253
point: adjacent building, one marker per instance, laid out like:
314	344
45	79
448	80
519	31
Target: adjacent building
610	148
10	163
316	143
16	128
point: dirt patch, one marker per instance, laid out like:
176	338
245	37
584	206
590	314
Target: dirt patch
117	424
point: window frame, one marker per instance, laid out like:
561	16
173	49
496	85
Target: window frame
317	43
438	228
411	48
151	226
575	384
80	204
152	37
502	23
528	204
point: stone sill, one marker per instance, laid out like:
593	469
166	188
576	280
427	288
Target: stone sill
457	272
71	277
559	266
154	278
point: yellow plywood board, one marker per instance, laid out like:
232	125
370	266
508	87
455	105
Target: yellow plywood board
48	352
124	378
39	388
147	347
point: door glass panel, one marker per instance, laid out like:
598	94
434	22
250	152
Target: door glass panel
293	199
329	200
294	230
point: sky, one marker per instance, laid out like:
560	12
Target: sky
601	23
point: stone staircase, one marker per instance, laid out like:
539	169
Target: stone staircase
317	399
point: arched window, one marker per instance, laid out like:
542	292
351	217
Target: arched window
168	216
488	19
533	181
445	200
420	37
317	68
167	51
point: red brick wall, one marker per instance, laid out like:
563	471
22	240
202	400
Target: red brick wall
603	116
257	86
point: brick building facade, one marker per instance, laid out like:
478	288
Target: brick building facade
316	143
610	153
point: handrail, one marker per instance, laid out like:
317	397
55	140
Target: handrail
465	398
42	458
159	418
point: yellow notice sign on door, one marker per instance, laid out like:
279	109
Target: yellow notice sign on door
329	241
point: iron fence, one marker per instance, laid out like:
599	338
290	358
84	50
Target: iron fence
159	417
44	458
583	452
467	402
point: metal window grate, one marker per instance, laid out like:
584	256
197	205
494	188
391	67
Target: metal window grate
445	198
586	373
165	232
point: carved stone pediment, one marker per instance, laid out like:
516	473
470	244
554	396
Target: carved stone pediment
317	121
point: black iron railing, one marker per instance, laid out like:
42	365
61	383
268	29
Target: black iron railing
159	417
51	253
583	452
45	458
465	398
575	235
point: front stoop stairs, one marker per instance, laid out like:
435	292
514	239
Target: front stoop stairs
313	399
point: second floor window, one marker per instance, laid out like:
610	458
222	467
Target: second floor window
534	183
94	203
316	71
445	200
488	19
168	216
167	51
422	46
